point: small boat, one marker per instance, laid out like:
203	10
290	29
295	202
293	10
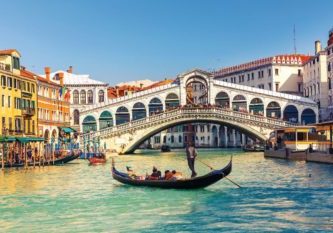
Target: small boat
165	148
255	148
192	183
59	161
96	160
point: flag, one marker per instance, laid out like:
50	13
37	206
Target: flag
67	95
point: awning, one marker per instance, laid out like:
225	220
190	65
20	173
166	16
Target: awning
29	139
68	130
7	139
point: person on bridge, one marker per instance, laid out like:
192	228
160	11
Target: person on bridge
191	154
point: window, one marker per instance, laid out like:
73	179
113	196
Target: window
157	139
8	102
101	96
252	76
32	88
276	71
299	72
172	139
276	86
83	97
202	128
75	97
248	77
3	122
270	86
3	81
90	97
3	101
15	83
299	87
10	124
16	63
28	86
76	117
180	139
269	72
9	82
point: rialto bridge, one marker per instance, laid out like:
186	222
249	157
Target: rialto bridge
126	122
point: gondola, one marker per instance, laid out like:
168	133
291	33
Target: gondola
165	148
256	148
193	183
59	161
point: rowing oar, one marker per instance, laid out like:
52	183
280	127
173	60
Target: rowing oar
211	168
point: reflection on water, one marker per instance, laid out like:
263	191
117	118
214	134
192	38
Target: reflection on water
277	195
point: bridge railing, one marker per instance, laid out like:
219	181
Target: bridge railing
188	111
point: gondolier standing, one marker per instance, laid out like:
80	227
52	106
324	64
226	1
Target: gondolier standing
191	154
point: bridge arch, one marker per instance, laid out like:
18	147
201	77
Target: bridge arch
172	100
89	124
290	113
155	105
308	116
138	111
256	106
222	99
239	103
105	120
273	110
122	115
149	132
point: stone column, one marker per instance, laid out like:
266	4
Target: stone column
234	137
226	136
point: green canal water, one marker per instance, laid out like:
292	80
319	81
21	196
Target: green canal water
276	196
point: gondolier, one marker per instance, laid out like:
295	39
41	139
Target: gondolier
191	154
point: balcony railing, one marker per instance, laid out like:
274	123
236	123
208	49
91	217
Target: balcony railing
28	111
5	67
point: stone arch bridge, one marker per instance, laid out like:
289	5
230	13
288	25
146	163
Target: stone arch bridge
125	122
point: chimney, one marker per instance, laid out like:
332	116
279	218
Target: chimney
47	73
70	69
317	46
141	85
61	78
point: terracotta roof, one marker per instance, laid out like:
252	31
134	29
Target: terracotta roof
160	83
31	75
284	59
8	52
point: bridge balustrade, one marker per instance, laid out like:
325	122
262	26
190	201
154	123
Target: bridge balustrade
180	112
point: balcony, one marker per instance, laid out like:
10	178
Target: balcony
28	112
5	67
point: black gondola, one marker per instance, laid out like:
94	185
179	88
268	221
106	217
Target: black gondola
193	183
165	148
59	161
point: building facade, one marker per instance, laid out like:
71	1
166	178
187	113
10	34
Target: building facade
315	80
53	108
82	92
282	73
329	51
18	97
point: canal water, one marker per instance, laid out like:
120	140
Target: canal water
276	196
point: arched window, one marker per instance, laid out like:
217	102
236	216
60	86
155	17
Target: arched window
138	111
100	96
308	116
89	124
171	101
90	97
155	105
122	115
76	114
83	97
180	138
290	114
164	139
273	110
239	103
105	120
256	107
222	99
75	97
172	139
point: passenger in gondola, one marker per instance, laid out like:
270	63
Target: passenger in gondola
155	175
167	175
176	175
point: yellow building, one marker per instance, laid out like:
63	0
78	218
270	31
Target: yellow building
18	97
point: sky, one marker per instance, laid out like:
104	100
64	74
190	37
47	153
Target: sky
123	40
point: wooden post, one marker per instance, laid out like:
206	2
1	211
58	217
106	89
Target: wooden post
34	155
25	156
39	153
2	157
